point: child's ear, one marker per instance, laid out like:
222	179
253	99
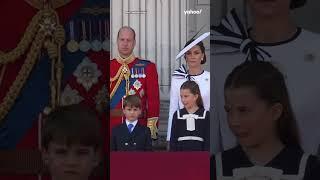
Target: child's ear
277	110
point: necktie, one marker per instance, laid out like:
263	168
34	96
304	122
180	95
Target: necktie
130	127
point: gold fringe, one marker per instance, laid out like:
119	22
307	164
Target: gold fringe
3	70
121	74
38	4
22	76
37	37
22	46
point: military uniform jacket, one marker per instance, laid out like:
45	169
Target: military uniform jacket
143	81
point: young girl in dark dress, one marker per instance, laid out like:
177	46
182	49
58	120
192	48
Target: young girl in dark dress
190	126
260	116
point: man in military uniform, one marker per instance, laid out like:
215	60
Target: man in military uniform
132	75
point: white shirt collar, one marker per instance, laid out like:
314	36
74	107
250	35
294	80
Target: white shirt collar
132	122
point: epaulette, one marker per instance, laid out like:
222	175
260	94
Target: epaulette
145	61
142	63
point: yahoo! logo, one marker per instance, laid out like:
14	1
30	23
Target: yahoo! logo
192	11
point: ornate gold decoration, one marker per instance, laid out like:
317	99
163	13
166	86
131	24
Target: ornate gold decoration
123	73
44	31
152	124
40	4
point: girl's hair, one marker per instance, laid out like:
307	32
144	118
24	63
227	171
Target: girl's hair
202	48
270	86
194	89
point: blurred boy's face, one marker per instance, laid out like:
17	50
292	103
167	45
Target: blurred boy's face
131	113
74	162
188	99
251	119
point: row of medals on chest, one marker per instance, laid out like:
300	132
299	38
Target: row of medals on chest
135	72
89	30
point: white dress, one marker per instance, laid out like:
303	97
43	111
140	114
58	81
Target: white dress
203	80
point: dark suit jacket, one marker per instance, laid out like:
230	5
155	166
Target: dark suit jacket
138	140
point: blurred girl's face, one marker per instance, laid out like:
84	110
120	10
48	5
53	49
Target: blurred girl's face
194	57
269	8
251	119
188	99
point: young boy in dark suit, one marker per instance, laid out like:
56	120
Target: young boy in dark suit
130	135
